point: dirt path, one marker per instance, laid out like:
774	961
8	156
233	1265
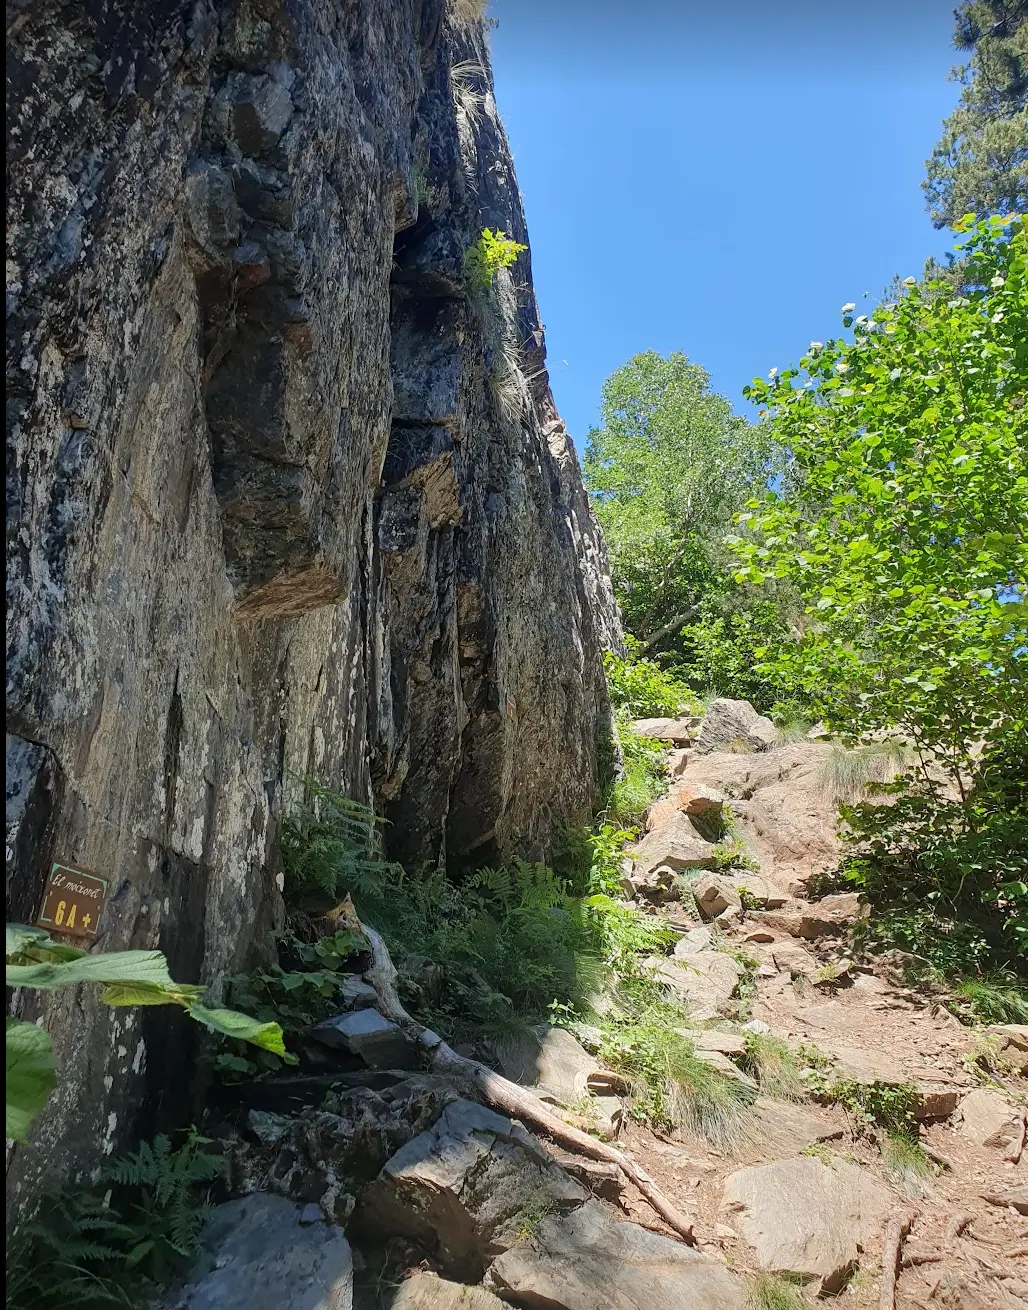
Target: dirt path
966	1248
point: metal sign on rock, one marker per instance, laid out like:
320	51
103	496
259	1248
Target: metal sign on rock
73	901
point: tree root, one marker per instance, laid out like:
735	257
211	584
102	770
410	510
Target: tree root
501	1094
899	1225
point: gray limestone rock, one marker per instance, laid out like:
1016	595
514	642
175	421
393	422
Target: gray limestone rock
589	1260
735	725
467	1187
261	1253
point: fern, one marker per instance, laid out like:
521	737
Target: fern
161	1187
75	1258
332	845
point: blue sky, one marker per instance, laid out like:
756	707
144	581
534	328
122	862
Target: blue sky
717	178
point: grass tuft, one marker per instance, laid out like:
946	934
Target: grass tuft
846	773
768	1291
907	1165
776	1067
998	998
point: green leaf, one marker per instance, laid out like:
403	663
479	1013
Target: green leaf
108	967
144	993
30	1075
243	1027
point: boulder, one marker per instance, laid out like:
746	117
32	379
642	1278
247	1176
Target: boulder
550	1060
325	1156
258	1255
694	799
424	1291
1011	1040
378	1041
679	732
677	762
710	1039
675	845
987	1119
713	895
589	1260
781	1128
807	1219
466	1188
704	982
695	940
735	724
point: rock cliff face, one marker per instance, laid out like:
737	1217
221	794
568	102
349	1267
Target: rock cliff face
286	497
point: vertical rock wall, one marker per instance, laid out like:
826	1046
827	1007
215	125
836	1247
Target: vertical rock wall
285	496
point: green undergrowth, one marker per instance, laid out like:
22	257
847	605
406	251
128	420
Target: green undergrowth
115	1243
906	1164
482	958
641	779
767	1291
673	1089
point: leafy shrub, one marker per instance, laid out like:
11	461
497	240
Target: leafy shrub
486	256
947	879
642	777
127	978
641	689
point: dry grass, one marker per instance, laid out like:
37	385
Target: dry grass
845	774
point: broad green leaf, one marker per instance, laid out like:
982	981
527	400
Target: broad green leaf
30	1075
108	967
143	993
243	1027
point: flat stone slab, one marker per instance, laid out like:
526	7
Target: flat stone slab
705	982
378	1041
589	1260
807	1219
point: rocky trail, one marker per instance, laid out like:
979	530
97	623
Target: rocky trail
446	1202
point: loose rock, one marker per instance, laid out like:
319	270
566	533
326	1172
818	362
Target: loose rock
676	846
806	1218
588	1260
379	1042
423	1291
987	1119
466	1188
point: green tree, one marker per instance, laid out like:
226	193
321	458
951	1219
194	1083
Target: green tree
901	521
667	469
981	161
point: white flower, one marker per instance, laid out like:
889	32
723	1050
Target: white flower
841	366
815	346
772	372
848	307
910	281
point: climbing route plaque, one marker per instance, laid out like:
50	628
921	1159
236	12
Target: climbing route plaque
73	901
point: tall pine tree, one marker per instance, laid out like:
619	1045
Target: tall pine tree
980	164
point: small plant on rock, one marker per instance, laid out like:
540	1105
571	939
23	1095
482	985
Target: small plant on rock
774	1292
486	256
